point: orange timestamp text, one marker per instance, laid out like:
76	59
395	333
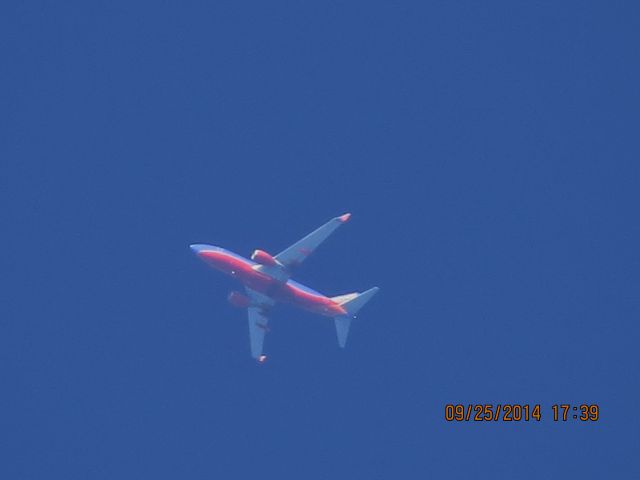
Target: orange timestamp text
517	412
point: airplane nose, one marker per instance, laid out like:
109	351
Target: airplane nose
200	248
196	248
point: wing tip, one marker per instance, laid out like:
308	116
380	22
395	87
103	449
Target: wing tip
344	218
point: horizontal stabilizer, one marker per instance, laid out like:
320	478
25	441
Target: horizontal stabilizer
342	329
340	299
351	302
353	305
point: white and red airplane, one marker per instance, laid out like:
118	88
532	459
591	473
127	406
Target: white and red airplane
266	281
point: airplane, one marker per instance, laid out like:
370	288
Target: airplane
267	281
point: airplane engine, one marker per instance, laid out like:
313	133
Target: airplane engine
239	300
263	258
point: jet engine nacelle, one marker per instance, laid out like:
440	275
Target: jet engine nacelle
239	300
263	258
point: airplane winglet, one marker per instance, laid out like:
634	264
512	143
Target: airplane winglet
344	218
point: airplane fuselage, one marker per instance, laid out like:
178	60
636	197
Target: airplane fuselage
247	272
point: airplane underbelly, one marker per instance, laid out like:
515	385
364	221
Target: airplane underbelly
303	300
285	293
260	283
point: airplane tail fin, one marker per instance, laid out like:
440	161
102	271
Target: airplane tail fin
351	302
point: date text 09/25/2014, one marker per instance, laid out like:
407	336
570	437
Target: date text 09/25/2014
514	412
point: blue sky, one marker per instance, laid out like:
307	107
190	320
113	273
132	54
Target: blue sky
488	153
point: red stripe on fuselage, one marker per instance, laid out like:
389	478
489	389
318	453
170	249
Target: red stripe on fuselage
282	292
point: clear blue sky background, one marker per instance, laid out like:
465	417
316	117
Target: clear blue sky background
488	153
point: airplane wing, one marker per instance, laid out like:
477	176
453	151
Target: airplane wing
257	330
299	251
258	321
